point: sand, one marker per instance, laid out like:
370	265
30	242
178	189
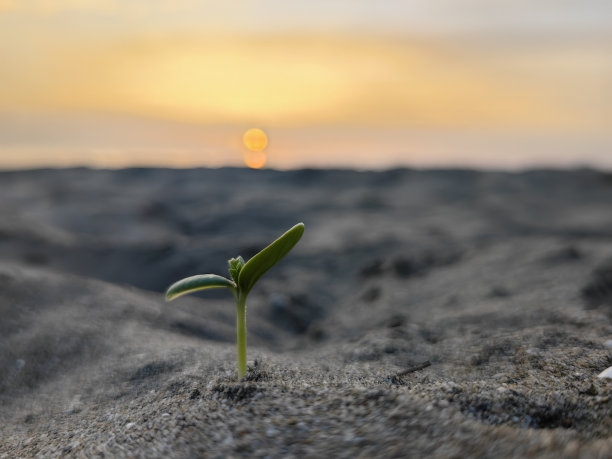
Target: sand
423	314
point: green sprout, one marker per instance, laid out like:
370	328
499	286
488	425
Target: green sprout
243	278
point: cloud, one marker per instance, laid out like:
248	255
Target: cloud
500	17
52	6
59	6
121	8
8	5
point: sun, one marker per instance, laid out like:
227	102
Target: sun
255	140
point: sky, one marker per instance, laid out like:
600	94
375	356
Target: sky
343	83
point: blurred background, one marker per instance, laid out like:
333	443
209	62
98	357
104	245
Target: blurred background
350	83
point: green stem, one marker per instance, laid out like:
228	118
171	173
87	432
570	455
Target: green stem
241	333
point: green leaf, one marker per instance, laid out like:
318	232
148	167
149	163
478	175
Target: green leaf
195	283
268	257
235	265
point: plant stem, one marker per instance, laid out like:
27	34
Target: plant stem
241	333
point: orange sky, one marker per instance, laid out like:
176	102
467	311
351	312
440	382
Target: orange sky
102	83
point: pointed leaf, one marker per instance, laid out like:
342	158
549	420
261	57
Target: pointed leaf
268	257
195	283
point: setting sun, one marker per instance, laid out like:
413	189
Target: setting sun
255	140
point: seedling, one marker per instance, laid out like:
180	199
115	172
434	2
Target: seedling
243	278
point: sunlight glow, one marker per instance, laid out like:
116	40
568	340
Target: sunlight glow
289	83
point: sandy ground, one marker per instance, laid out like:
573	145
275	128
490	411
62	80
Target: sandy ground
423	314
